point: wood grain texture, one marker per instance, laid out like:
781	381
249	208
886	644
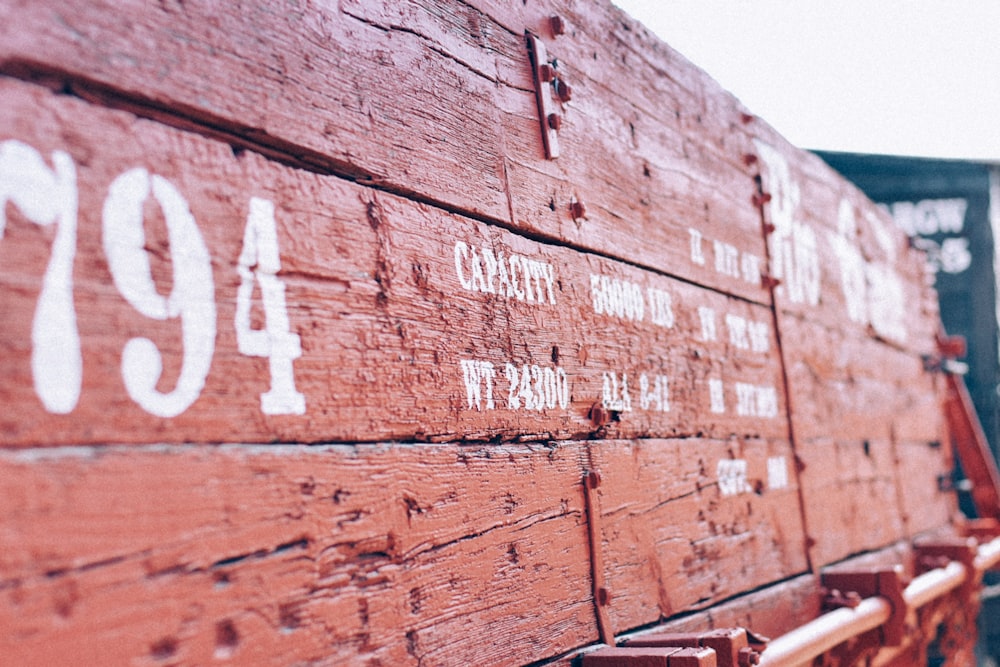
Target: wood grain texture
345	553
373	282
857	319
471	346
453	90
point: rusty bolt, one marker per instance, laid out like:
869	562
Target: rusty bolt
558	25
546	72
746	118
555	121
748	657
769	228
749	159
563	90
593	479
769	282
761	198
603	596
598	415
577	210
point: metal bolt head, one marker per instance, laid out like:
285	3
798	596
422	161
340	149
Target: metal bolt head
555	121
748	657
577	210
546	72
558	25
563	90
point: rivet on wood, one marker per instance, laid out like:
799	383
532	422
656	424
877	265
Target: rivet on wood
761	198
546	72
593	479
749	159
603	596
746	118
768	281
555	121
769	228
563	90
577	210
558	25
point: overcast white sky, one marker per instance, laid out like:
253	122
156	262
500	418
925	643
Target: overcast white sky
871	76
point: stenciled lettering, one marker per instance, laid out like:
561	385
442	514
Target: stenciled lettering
515	276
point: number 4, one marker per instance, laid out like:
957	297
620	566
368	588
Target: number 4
259	258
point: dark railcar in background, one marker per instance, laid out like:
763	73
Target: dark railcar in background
949	208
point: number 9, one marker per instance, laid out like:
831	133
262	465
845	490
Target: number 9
192	298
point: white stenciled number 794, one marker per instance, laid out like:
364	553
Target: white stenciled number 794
48	196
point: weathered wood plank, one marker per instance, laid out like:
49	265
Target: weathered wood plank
393	553
692	523
315	554
857	319
656	163
841	260
413	323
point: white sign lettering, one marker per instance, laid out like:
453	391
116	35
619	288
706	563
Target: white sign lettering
930	216
777	473
756	401
707	318
515	277
733	479
697	254
536	388
654	393
792	244
872	291
716	396
614	394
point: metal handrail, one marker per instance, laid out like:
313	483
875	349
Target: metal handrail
831	629
934	584
819	636
988	555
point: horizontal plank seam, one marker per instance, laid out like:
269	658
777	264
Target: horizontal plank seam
286	153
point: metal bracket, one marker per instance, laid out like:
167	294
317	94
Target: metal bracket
548	86
887	583
602	597
732	646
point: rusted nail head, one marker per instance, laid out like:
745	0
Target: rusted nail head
603	596
555	121
563	90
593	479
749	159
748	657
578	210
746	118
546	73
769	228
558	25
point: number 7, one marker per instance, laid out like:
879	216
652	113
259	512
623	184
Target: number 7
46	196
